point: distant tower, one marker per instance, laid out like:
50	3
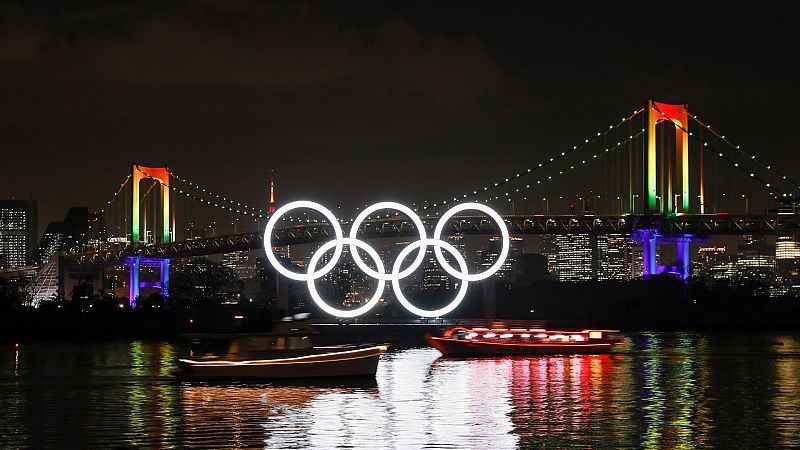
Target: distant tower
271	192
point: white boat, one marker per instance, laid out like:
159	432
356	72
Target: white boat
285	352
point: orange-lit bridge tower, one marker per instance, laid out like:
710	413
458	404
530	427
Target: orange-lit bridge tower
667	183
165	234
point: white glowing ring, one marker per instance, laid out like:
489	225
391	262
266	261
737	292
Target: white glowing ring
380	275
463	275
462	292
312	288
417	223
337	230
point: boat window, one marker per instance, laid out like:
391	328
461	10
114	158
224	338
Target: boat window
460	334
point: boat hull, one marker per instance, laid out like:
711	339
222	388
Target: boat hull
348	363
461	347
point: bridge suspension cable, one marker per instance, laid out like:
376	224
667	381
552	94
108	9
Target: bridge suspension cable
116	193
583	162
722	155
222	198
252	212
750	156
545	163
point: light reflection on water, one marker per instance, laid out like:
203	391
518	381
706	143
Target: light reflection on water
660	390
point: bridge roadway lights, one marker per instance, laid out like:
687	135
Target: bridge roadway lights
135	263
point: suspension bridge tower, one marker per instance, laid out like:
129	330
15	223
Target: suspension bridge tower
667	183
141	236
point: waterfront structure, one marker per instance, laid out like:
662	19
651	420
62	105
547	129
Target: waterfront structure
18	230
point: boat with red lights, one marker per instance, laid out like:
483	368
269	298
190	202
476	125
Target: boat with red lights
473	341
283	353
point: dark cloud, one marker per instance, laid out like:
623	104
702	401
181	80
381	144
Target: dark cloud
240	45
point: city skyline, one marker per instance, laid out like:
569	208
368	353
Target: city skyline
627	187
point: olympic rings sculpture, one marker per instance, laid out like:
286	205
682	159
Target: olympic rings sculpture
396	274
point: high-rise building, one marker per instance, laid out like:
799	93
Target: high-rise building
240	263
18	230
486	257
575	256
284	252
714	265
547	247
96	232
388	255
433	278
345	282
614	257
637	259
787	264
116	279
755	262
457	241
70	234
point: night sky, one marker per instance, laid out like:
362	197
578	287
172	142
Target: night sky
354	102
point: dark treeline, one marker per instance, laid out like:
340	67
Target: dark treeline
659	303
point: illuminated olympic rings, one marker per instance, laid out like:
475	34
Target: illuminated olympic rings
396	274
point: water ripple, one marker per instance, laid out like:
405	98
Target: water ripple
660	390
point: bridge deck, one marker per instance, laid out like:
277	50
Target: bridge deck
692	224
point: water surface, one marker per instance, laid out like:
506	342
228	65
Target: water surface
659	390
